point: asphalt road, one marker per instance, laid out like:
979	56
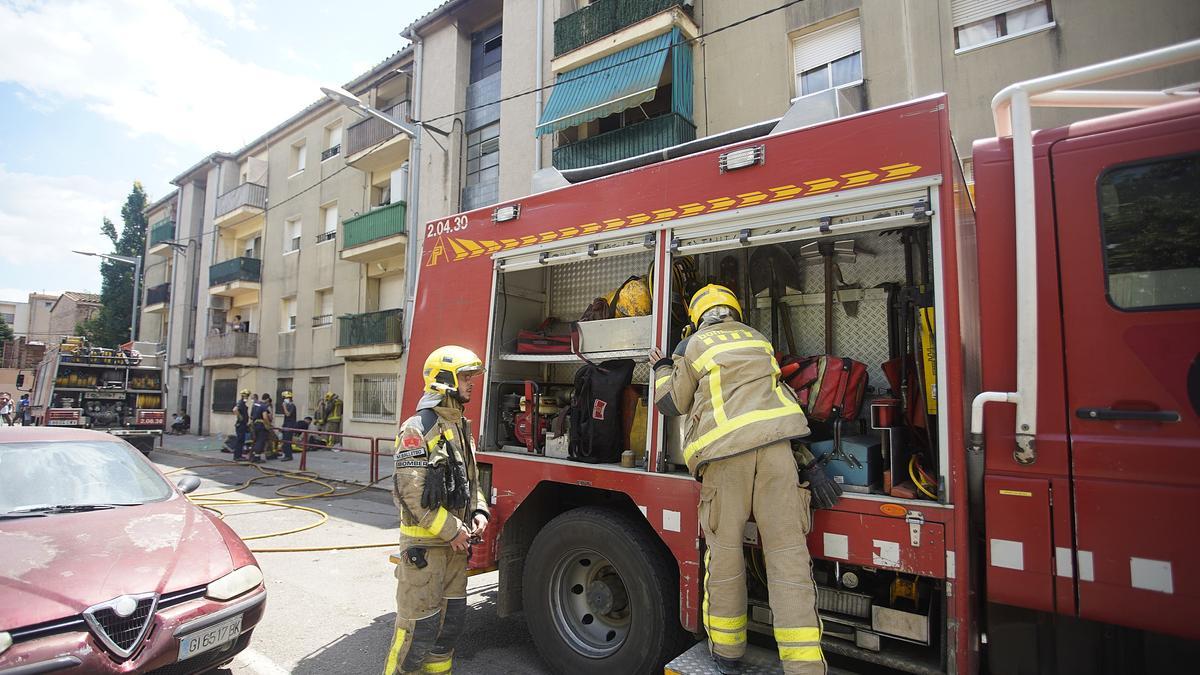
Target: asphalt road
333	611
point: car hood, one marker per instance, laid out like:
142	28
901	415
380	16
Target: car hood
59	565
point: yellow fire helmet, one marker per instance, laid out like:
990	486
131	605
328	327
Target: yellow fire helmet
244	392
329	396
711	296
446	364
633	299
286	394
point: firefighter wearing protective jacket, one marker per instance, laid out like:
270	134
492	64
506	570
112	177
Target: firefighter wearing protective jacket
442	507
740	420
332	418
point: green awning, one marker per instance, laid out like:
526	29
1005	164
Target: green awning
618	81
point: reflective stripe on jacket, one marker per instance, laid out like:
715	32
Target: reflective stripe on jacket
420	526
726	380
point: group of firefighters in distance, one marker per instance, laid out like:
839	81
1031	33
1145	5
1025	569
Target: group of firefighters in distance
254	422
742	420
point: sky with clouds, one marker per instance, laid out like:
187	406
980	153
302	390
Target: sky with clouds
97	94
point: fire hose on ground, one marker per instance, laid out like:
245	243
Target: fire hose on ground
212	502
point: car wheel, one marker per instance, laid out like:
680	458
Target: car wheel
601	596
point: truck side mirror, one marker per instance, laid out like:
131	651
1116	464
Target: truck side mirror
20	380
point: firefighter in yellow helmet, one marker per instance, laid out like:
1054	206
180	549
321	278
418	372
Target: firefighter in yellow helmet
332	418
442	507
725	379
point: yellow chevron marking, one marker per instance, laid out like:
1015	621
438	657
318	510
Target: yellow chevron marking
663	214
721	203
568	232
821	185
638	219
509	243
613	223
590	228
491	246
460	252
691	209
857	178
473	248
785	192
547	236
898	171
529	239
751	198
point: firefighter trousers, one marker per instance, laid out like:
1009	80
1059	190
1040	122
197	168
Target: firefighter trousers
431	609
763	483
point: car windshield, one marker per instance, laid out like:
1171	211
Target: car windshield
63	476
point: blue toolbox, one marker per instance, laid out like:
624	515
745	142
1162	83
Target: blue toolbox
856	465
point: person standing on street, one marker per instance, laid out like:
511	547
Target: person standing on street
442	508
261	419
333	419
289	423
241	425
24	413
319	416
740	419
6	409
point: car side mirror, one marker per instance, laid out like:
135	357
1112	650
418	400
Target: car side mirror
188	484
20	380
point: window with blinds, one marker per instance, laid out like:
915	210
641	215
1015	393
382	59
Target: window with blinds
828	58
978	22
329	220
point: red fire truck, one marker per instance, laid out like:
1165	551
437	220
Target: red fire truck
1068	295
119	391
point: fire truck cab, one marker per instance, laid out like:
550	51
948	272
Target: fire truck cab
1039	538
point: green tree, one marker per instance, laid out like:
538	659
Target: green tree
110	327
6	332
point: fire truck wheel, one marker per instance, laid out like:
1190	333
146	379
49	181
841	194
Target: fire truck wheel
600	595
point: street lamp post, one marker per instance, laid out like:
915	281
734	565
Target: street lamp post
137	275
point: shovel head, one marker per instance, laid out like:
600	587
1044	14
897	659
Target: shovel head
771	264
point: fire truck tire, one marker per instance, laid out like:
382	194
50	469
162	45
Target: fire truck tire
601	595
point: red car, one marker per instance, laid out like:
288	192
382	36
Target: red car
106	567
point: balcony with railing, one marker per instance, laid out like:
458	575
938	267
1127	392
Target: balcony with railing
376	235
235	277
653	134
157	297
602	18
161	232
243	206
373	335
373	144
231	348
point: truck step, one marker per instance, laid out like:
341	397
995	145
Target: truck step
757	661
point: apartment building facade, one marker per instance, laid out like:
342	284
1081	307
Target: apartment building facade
292	266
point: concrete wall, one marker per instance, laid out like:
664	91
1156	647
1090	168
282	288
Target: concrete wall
39	316
20	321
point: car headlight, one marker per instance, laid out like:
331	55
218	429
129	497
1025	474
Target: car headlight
235	583
5	642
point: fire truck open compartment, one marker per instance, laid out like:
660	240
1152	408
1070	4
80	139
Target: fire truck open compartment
884	254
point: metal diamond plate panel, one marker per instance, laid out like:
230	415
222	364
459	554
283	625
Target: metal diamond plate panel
573	286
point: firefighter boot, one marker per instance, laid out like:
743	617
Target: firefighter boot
454	609
781	511
725	498
418	612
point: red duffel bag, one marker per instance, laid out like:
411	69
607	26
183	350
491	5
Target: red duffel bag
828	387
542	341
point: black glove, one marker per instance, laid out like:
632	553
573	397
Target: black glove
825	491
456	487
434	494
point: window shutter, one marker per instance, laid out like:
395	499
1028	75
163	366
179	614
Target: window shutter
826	45
331	218
963	12
335	136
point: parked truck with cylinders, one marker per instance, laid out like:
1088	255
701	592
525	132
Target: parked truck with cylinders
1059	301
119	391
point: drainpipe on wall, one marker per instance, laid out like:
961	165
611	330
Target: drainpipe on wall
537	83
414	188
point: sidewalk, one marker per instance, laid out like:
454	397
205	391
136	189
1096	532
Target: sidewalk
347	467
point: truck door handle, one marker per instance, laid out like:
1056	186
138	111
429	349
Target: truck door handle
1119	414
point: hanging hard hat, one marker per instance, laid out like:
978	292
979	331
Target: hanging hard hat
446	365
632	299
711	296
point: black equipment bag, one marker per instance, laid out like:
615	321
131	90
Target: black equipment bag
596	432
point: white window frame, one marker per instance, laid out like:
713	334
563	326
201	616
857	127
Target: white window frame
299	157
373	384
322	301
823	48
287	322
967	12
329	233
293	233
333	132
